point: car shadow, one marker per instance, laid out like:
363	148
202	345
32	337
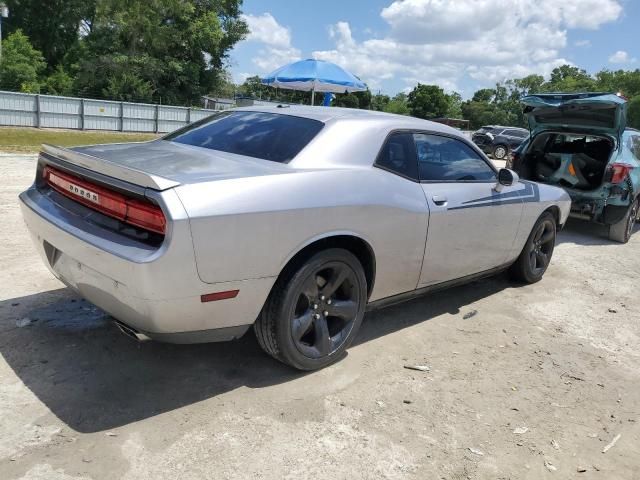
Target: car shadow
93	378
581	232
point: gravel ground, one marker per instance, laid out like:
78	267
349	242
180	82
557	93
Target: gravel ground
525	382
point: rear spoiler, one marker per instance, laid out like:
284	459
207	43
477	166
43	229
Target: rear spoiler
110	169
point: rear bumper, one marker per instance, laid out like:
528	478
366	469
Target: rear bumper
154	291
599	210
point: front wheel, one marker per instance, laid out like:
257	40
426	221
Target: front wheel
536	254
314	311
622	230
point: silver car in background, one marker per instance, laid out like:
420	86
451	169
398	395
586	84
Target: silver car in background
290	219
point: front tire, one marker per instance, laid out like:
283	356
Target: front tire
622	230
537	252
314	310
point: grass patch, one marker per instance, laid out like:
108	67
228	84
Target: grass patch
29	140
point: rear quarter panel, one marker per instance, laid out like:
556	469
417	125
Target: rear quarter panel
251	227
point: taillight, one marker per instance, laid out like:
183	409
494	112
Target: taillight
619	172
145	215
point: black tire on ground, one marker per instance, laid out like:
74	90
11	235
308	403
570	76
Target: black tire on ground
537	252
621	231
500	152
314	310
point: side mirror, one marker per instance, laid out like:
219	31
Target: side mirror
506	178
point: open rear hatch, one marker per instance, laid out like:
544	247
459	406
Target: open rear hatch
573	136
599	113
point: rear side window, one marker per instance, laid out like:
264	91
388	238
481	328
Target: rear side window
446	159
398	155
269	136
516	133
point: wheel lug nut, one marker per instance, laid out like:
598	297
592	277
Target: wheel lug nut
316	316
315	306
322	297
329	302
326	314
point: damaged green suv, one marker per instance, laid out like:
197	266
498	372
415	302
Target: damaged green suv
579	142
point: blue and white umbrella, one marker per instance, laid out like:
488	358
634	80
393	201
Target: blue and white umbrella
314	76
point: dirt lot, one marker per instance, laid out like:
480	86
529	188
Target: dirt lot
533	386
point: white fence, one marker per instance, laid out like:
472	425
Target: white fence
46	111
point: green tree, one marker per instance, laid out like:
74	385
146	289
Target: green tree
379	102
254	88
58	83
529	84
226	88
633	112
174	50
353	100
568	78
347	100
484	95
128	87
21	64
455	105
53	26
626	82
398	105
364	99
427	101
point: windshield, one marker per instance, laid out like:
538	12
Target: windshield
268	136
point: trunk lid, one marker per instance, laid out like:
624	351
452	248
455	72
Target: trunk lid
161	164
589	112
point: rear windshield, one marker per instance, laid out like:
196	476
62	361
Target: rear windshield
599	115
269	136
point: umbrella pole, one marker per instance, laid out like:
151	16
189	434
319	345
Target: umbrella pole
313	94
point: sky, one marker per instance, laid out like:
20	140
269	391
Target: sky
461	45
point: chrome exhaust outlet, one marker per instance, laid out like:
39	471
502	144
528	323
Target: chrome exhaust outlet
131	332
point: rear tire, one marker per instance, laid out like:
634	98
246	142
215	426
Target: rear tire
622	230
500	152
537	252
314	311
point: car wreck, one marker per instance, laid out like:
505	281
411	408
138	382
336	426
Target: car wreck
579	142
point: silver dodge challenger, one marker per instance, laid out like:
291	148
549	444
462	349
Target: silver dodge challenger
291	219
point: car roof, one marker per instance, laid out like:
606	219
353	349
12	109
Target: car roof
504	127
331	114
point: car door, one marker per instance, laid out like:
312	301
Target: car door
472	222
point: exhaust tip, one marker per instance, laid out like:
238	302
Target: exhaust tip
131	332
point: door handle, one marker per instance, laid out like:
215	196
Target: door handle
439	200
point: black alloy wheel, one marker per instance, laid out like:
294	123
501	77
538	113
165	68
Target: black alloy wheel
325	310
314	310
536	254
542	246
